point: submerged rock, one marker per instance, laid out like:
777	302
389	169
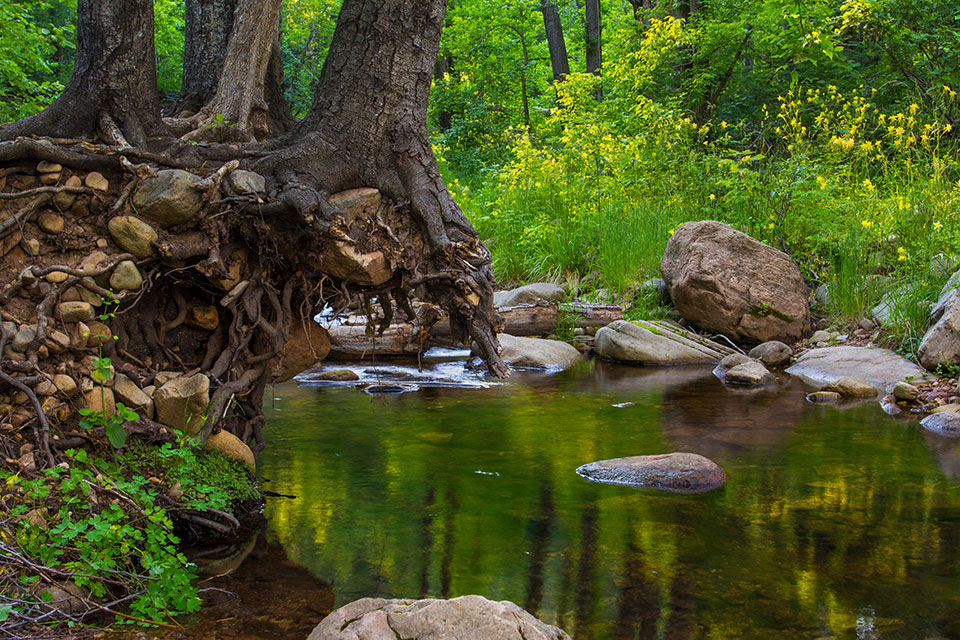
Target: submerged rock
823	396
851	387
656	343
464	618
681	472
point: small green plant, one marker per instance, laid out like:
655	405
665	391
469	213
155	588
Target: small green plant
219	123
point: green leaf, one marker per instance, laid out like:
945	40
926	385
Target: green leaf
116	434
5	612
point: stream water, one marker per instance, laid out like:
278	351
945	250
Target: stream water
836	522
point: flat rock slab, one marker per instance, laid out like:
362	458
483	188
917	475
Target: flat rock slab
880	367
656	343
463	618
680	472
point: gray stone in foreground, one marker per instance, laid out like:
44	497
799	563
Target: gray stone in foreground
537	353
656	343
680	472
880	367
772	353
528	294
748	373
463	618
946	423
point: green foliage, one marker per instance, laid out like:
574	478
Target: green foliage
308	27
168	42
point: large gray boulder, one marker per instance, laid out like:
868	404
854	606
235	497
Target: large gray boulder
727	282
656	343
171	197
537	353
880	367
941	342
681	472
463	618
529	294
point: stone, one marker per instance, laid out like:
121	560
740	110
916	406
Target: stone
49	179
45	388
905	391
204	318
133	235
10	242
464	618
342	261
100	334
304	348
50	222
940	345
28	462
163	377
658	286
726	282
57	341
80	336
232	447
182	403
126	391
56	277
748	373
823	336
337	375
537	353
101	400
65	200
529	294
170	198
656	343
892	306
823	396
23	338
851	387
946	408
48	167
65	384
246	183
359	203
880	367
867	324
81	207
772	353
681	472
945	422
96	181
126	277
821	296
31	246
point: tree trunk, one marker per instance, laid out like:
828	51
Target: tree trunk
593	48
207	28
559	61
443	66
114	81
368	128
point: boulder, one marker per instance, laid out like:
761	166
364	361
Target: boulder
133	397
126	277
681	472
946	423
850	387
246	183
748	373
537	353
656	343
343	261
232	447
182	403
725	281
170	198
772	353
356	203
892	306
133	235
463	618
879	367
529	294
303	349
941	343
659	287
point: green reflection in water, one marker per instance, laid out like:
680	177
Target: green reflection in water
836	523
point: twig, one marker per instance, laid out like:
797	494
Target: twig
39	190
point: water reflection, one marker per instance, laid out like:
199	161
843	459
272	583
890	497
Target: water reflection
834	523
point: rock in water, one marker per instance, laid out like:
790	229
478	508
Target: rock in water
656	343
528	294
681	472
748	373
725	281
463	618
851	387
537	353
946	423
772	353
879	367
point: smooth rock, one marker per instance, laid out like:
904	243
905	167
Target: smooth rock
50	222
304	348
946	408
354	204
727	282
57	341
127	392
23	338
344	262
170	198
537	353
56	277
823	336
31	246
80	335
772	353
529	294
748	373
182	403
892	306
133	235
905	391
232	447
101	400
65	200
96	181
49	179
463	618
941	343
823	396
65	384
205	318
246	183
656	343
74	311
658	286
682	472
337	375
946	423
851	387
49	167
879	367
126	277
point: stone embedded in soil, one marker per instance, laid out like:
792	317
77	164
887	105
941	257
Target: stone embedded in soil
344	262
946	423
182	402
232	447
50	222
126	277
23	339
246	182
905	391
56	277
31	246
823	396
133	235
65	384
101	400
355	204
96	181
170	198
64	200
127	392
204	318
49	179
682	472
48	167
772	353
57	341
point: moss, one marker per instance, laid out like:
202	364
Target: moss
763	310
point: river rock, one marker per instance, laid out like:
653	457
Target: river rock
905	391
170	198
748	373
879	367
50	222
246	183
337	375
23	338
342	261
132	396
529	294
305	347
850	387
49	167
772	353
133	235
537	353
725	281
823	396
823	336
355	204
656	343
682	472
232	447
463	618
126	277
96	181
182	403
74	311
65	384
64	200
946	423
941	342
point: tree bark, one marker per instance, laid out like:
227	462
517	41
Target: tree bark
594	57
559	61
114	81
207	27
